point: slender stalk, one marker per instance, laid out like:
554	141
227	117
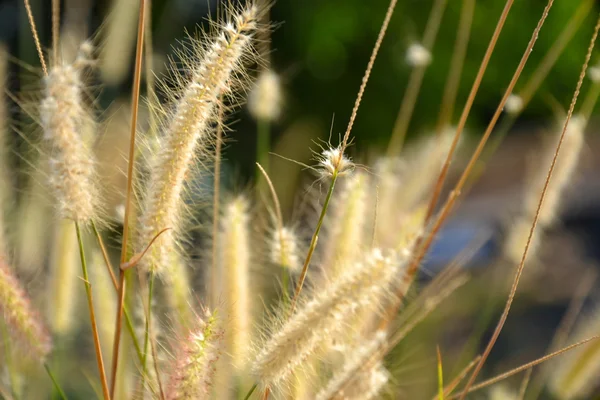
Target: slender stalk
147	329
57	387
522	368
413	88
361	91
109	267
55	29
541	72
455	194
565	326
535	219
313	241
252	389
456	65
135	98
88	292
336	169
456	381
467	109
216	205
104	255
279	220
36	38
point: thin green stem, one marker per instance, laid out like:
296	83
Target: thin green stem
108	264
252	389
88	292
135	98
55	382
147	330
313	242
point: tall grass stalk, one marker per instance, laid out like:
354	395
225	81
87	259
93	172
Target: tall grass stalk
415	80
338	161
94	325
455	193
135	95
539	207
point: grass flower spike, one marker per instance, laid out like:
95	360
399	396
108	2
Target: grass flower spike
64	119
334	161
188	130
328	312
235	286
351	379
347	222
194	369
23	322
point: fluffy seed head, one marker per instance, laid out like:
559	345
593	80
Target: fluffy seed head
71	163
284	249
187	133
417	55
194	369
235	278
326	314
266	98
347	222
352	379
24	323
334	159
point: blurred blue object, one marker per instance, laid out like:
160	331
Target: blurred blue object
471	240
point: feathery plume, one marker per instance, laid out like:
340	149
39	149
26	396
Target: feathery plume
328	312
24	323
235	278
64	120
266	97
194	369
187	130
352	379
331	158
347	223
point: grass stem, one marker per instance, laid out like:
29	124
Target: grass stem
55	383
94	325
135	98
147	329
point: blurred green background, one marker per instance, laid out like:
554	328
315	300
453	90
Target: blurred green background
321	48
